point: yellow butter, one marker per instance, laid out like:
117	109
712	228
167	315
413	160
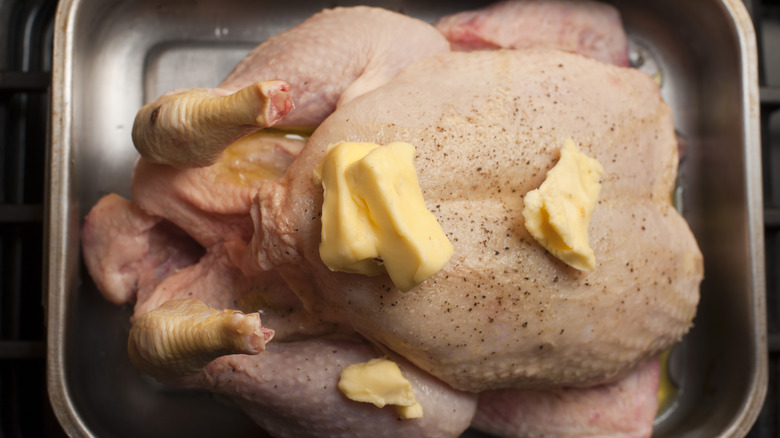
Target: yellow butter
407	412
374	217
558	213
253	157
380	382
348	243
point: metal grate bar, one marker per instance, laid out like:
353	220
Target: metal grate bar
25	58
22	349
770	97
21	81
766	18
25	213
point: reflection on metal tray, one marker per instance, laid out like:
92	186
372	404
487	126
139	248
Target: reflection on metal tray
111	56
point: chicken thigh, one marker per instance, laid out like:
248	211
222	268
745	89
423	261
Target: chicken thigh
590	28
328	59
129	252
335	56
625	408
291	391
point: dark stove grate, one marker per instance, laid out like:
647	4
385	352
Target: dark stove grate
766	20
25	65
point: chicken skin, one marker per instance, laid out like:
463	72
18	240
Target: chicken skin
504	312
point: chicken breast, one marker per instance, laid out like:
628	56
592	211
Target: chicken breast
504	312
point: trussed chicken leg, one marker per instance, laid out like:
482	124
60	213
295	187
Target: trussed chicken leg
192	128
180	337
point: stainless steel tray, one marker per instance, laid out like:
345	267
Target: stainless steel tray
111	56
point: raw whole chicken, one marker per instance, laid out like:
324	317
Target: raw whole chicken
499	338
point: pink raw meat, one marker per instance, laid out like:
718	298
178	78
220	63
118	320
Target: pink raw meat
625	408
212	203
589	28
290	390
127	251
335	56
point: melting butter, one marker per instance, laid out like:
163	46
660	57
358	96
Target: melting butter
558	213
262	155
380	382
374	217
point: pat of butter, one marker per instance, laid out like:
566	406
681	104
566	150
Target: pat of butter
558	213
374	217
380	382
348	243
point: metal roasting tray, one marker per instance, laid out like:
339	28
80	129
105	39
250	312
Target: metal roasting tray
111	56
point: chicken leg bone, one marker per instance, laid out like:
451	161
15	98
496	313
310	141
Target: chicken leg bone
182	336
192	128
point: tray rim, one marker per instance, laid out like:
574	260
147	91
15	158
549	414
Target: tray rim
755	213
61	266
57	216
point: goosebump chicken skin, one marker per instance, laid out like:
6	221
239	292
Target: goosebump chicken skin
505	312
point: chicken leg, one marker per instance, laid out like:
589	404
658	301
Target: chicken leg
192	128
181	336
